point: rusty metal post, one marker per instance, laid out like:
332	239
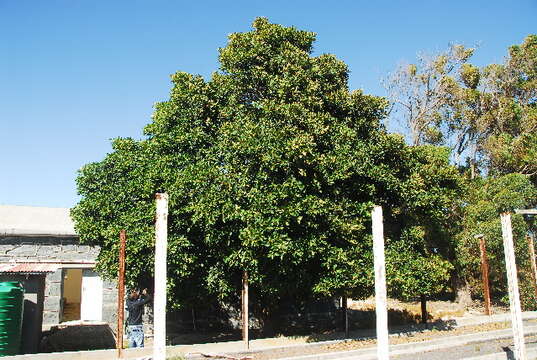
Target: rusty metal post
245	320
121	293
485	273
532	261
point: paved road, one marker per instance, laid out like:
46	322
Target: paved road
443	348
471	350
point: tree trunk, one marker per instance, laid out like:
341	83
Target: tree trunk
464	295
194	327
345	315
472	169
423	300
268	317
473	161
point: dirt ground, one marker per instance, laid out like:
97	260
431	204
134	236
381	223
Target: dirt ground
417	336
439	313
400	314
438	310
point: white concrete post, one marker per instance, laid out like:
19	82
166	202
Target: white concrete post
514	297
383	351
159	302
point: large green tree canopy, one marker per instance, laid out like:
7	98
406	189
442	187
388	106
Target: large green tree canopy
272	167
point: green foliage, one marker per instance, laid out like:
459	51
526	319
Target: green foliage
470	76
420	93
486	199
512	119
419	250
272	166
411	271
488	116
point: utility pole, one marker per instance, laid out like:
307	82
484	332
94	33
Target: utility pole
531	243
159	302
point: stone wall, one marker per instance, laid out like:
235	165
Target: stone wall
110	303
57	249
52	305
53	296
40	248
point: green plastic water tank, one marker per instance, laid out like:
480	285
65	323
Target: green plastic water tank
11	306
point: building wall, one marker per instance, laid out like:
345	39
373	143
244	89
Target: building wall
45	248
57	249
53	295
110	303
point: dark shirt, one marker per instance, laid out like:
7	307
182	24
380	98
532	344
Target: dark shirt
136	310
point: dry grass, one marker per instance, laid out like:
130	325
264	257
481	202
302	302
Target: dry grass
438	310
421	336
418	336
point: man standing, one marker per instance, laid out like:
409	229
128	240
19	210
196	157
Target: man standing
135	307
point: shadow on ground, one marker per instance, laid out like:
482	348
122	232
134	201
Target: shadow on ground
361	325
77	337
510	354
312	327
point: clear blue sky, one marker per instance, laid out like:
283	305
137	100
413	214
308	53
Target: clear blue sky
74	73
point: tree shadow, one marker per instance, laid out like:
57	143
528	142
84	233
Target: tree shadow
510	354
315	327
202	337
78	337
362	325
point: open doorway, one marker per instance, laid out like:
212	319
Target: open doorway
71	294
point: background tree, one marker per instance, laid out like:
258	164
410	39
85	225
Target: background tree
486	116
512	142
492	113
272	167
486	199
419	93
